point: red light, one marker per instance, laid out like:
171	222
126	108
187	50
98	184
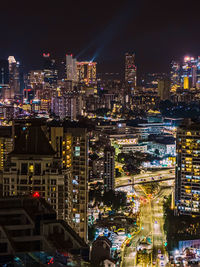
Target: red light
71	55
36	194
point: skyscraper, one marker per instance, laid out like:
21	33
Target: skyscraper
109	168
14	76
189	72
86	72
187	186
34	170
4	72
70	141
50	71
130	70
71	68
164	89
175	74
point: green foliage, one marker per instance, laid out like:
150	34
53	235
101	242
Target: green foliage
91	232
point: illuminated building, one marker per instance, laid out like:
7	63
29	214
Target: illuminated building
50	71
86	72
186	84
6	145
109	168
36	79
4	72
189	72
164	89
33	169
71	68
187	186
70	142
175	74
14	76
130	70
68	106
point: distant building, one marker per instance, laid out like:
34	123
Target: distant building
187	186
109	168
71	68
86	72
4	72
50	70
175	74
130	70
14	76
6	145
164	89
68	106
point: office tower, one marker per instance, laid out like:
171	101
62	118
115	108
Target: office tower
36	79
189	72
86	72
71	68
198	73
4	72
187	185
50	71
164	89
109	168
33	169
14	76
130	70
70	141
175	74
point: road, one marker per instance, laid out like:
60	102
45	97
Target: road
151	226
147	177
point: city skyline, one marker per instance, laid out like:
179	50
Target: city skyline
109	31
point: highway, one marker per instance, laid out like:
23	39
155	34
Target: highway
151	226
149	176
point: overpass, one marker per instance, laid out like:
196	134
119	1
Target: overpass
147	182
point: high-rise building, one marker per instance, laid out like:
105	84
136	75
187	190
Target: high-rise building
4	72
70	142
6	145
50	71
164	89
68	106
189	71
86	72
187	186
33	170
71	68
130	70
109	168
175	74
14	76
36	78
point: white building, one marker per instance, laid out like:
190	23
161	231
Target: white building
71	68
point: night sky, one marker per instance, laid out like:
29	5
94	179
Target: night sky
157	31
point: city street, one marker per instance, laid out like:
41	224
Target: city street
151	227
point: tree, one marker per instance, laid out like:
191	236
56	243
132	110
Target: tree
91	232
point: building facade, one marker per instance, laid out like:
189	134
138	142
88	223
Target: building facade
187	186
109	168
130	69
